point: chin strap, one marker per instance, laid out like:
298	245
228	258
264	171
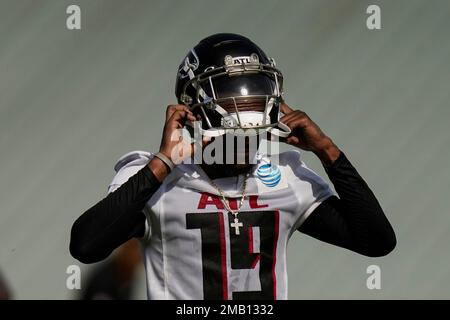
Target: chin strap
282	131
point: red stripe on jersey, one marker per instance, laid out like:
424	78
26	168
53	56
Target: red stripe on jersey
223	255
253	202
255	262
232	202
251	249
275	241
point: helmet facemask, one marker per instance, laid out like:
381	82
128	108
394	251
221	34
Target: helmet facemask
241	98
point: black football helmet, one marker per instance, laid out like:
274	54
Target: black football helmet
220	76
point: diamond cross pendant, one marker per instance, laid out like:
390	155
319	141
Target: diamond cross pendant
236	225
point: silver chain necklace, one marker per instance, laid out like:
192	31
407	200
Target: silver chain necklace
236	224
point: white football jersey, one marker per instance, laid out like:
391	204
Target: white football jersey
195	249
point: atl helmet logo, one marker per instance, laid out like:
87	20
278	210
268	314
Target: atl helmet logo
240	60
269	174
229	60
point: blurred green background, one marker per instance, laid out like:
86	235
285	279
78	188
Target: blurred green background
72	102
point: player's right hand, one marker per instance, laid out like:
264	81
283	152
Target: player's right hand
173	144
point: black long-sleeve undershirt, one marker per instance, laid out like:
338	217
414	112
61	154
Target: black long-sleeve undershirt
114	220
354	221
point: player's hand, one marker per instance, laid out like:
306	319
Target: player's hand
307	135
174	145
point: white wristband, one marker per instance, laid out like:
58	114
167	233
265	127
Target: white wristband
166	160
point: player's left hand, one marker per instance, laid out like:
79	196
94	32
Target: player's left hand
307	135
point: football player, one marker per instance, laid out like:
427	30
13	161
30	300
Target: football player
220	231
